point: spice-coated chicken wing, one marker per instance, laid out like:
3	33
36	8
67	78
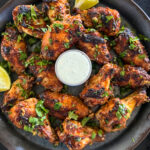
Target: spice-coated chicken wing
30	115
20	90
131	50
98	89
76	137
60	104
94	46
44	72
132	76
14	49
114	115
29	19
103	19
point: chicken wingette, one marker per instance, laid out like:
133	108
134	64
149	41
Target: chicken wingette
60	105
20	90
77	137
30	115
14	49
132	76
98	89
103	19
131	50
44	72
114	115
29	20
93	44
56	10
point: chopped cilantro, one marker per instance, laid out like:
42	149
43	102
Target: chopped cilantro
85	120
67	45
105	94
118	114
46	48
72	115
91	30
122	73
93	135
100	133
33	13
57	106
60	26
108	18
123	54
44	29
142	56
23	55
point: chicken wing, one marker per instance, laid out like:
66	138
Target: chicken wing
29	19
60	104
131	50
20	90
104	19
44	73
56	10
98	90
132	76
114	115
14	49
94	46
25	115
76	137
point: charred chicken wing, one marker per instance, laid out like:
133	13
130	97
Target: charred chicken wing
44	73
103	19
76	137
98	89
20	90
14	50
131	50
114	115
30	115
29	19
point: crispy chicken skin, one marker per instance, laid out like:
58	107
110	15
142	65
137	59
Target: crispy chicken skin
66	102
98	90
53	45
14	49
76	137
132	76
94	46
114	115
20	90
56	9
21	114
29	19
44	73
131	50
103	19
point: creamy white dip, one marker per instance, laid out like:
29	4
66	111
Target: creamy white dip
73	67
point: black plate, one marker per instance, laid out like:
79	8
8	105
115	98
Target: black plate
139	124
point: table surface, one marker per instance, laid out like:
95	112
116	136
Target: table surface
145	5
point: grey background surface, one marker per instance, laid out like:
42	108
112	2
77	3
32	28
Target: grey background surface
145	5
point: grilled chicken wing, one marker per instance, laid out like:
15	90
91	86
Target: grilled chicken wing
19	91
131	50
56	10
60	104
104	19
132	76
44	73
60	37
98	90
76	137
29	19
24	116
114	115
94	46
14	50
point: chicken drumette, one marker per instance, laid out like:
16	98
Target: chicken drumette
98	88
14	49
114	115
29	19
30	115
60	104
76	137
20	90
131	50
44	72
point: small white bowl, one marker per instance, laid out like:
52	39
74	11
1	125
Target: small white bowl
73	67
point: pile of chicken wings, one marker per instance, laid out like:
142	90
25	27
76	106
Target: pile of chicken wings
97	32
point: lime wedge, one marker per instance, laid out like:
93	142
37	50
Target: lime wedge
85	4
5	81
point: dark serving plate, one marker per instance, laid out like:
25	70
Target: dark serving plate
138	126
